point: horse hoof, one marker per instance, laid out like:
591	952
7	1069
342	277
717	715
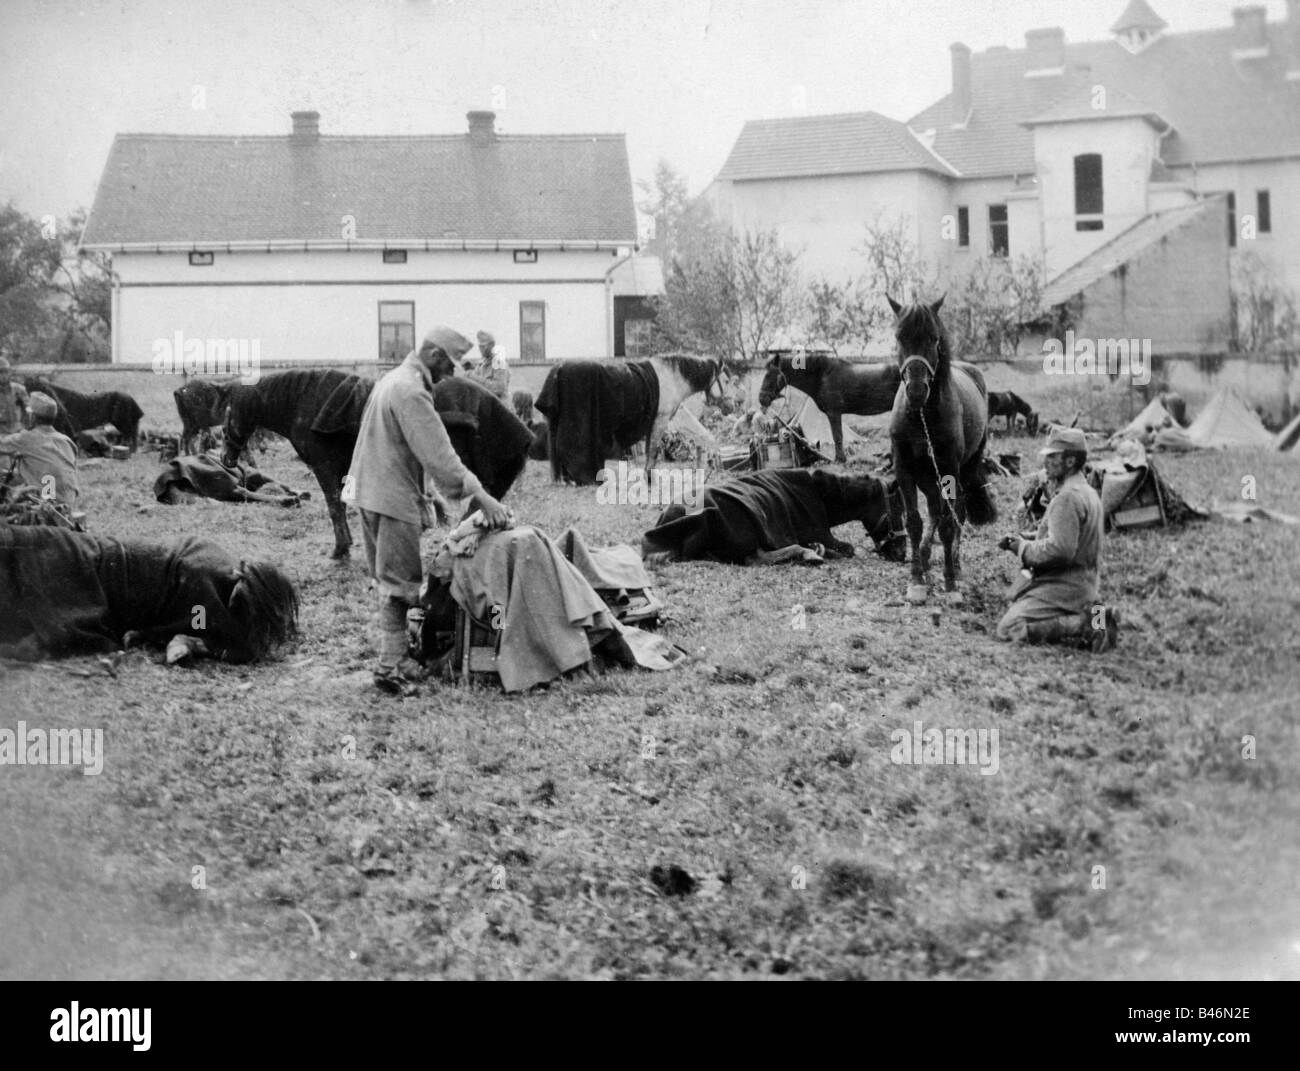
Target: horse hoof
917	594
955	598
341	555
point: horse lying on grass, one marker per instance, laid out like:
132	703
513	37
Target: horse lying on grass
75	592
777	515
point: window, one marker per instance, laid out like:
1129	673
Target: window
1088	191
1264	211
1232	220
525	256
999	238
963	227
394	256
201	260
636	338
532	330
396	330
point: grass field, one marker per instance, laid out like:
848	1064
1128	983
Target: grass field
740	817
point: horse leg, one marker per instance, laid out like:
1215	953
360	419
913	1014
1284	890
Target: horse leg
917	590
837	433
331	485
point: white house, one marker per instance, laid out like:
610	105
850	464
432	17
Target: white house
1164	153
323	248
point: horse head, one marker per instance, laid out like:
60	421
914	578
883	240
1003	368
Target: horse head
774	383
241	422
888	529
922	349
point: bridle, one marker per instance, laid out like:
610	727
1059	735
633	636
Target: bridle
884	533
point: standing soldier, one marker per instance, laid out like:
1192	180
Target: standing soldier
402	439
493	372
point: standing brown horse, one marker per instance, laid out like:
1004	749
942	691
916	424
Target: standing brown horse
835	385
938	431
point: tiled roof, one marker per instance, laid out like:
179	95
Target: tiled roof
847	144
1119	250
1079	102
1221	109
181	189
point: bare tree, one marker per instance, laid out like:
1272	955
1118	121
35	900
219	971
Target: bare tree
729	294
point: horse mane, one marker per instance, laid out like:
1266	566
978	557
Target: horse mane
697	371
922	322
265	603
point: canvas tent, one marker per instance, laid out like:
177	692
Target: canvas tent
1155	415
800	411
1227	421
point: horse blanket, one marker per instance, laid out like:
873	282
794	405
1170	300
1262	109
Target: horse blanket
550	618
68	592
757	511
204	475
595	411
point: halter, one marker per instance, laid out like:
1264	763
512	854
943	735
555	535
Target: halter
884	532
916	357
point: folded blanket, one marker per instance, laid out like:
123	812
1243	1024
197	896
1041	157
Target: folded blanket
551	619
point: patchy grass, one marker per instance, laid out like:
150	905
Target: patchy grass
741	817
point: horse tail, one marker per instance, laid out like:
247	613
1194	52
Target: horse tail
980	507
265	604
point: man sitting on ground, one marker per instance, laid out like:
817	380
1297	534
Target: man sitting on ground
41	457
1058	600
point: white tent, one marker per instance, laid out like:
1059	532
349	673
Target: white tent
1155	415
1227	421
800	411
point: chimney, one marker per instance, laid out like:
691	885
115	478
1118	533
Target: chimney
482	125
306	126
1250	37
961	98
1046	50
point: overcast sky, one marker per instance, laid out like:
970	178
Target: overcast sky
678	78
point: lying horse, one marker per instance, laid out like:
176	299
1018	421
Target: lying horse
80	412
938	431
760	516
319	412
596	410
70	592
1009	405
835	385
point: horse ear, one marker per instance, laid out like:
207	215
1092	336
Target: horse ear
938	304
894	305
774	361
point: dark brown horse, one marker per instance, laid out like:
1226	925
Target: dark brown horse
1010	405
938	431
80	412
835	385
319	412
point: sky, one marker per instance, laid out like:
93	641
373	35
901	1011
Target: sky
678	77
